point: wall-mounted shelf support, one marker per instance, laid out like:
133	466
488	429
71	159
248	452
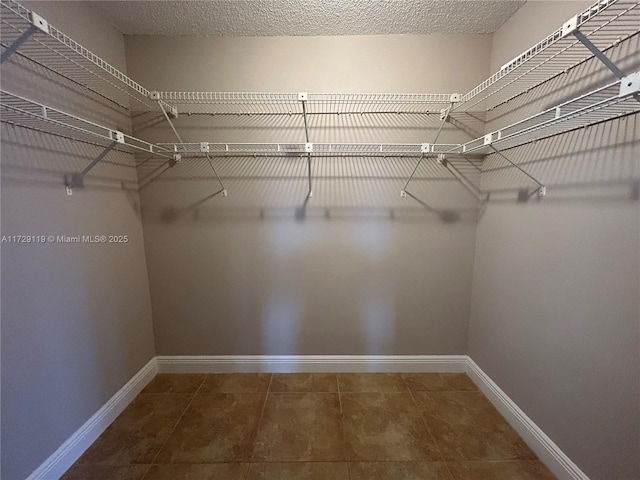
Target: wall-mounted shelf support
464	181
77	179
571	27
427	147
223	191
599	55
542	189
38	24
169	113
302	98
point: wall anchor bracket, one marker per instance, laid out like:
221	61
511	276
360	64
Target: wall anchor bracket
596	51
223	190
542	189
167	116
77	179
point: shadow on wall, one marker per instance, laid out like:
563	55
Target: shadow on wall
269	188
24	77
33	158
592	164
302	287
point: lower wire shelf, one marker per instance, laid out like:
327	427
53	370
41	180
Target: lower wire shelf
615	100
22	112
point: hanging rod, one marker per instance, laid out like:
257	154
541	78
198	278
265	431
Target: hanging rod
605	23
606	103
22	112
324	149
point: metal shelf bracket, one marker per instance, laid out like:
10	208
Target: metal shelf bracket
542	189
37	24
77	179
630	85
597	52
223	191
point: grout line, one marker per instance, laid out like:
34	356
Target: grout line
344	437
427	425
339	393
264	406
176	424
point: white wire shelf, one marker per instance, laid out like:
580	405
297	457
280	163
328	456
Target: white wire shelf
615	100
264	103
54	50
315	149
606	23
21	112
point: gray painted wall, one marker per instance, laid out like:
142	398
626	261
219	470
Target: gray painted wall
555	313
76	319
359	270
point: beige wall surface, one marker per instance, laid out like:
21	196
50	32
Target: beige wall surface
555	314
76	318
355	269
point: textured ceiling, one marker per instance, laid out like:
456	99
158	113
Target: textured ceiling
307	17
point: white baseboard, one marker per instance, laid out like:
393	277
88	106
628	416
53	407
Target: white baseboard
311	363
66	455
548	452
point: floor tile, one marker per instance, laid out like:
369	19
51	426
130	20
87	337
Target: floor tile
418	382
477	442
304	382
174	383
385	427
460	408
215	471
300	427
518	470
105	472
139	432
371	382
236	383
299	471
217	427
399	471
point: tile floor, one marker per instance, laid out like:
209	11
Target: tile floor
309	427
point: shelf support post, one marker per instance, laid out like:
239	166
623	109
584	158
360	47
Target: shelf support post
173	113
37	24
77	179
444	117
599	55
542	189
302	98
223	190
464	181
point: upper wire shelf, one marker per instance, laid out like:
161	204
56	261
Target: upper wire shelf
263	103
22	112
606	23
51	48
615	100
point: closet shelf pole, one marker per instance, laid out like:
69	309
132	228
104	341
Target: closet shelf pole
302	98
223	191
173	113
77	179
426	147
464	181
542	189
